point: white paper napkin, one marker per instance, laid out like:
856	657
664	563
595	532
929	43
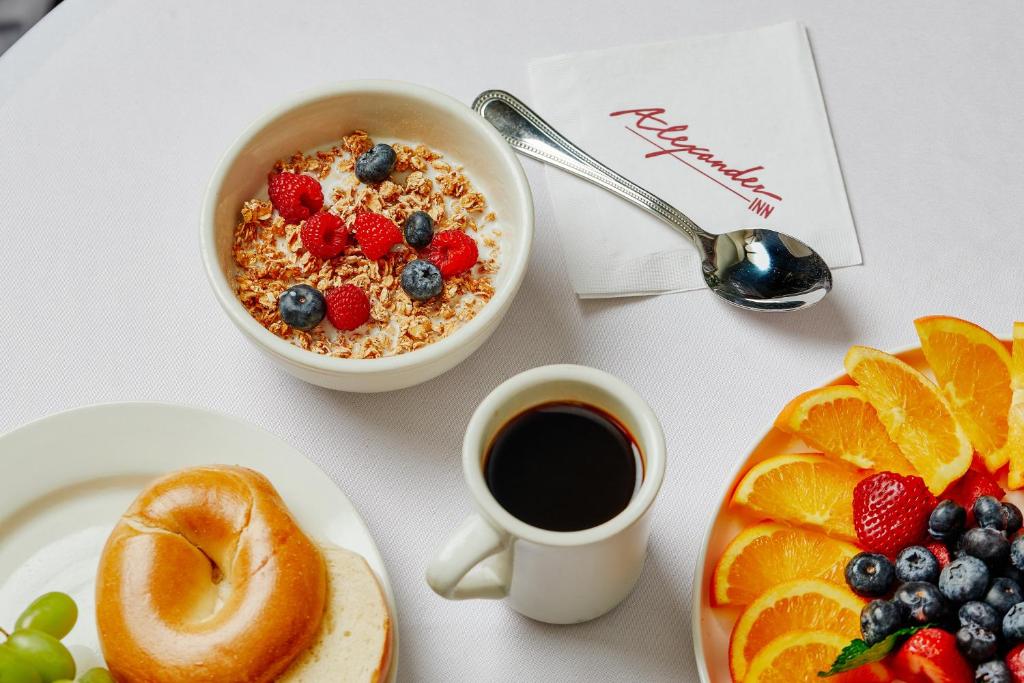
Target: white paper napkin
743	116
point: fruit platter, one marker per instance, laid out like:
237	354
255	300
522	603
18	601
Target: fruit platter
874	533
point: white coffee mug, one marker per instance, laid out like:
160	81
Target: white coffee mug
559	577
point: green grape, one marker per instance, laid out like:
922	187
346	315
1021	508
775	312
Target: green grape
14	669
53	613
51	659
97	675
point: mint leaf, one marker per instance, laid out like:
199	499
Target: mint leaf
859	653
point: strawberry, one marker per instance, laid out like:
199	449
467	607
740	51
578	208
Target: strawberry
972	486
875	672
376	234
295	196
940	551
1015	661
347	307
324	235
890	511
931	656
452	251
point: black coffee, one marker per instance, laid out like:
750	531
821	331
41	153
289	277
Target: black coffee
563	467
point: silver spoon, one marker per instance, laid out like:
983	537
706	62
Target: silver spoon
753	268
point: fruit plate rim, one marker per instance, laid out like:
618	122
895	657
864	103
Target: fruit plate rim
700	610
323	509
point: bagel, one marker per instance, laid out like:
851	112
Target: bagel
354	643
207	578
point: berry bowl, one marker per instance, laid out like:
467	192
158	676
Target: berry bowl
387	110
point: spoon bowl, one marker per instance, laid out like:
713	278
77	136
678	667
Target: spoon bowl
764	270
754	268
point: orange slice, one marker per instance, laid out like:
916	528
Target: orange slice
840	421
825	488
973	369
798	656
806	604
915	414
768	554
1015	432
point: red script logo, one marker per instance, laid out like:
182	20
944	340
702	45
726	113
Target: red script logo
648	120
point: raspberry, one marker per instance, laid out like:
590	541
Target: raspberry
890	511
1015	662
940	551
347	307
324	235
452	251
294	195
376	234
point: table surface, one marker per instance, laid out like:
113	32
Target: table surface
113	114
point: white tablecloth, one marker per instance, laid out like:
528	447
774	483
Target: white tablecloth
112	115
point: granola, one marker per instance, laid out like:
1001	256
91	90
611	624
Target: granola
270	258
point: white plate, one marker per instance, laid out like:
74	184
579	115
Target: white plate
67	478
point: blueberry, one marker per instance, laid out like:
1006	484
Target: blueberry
948	621
1013	622
879	618
1014	519
869	574
1010	572
922	601
302	307
375	164
1004	594
982	614
1017	553
916	563
419	229
988	545
421	280
976	643
964	579
994	671
989	513
946	521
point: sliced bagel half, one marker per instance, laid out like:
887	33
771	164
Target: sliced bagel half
354	642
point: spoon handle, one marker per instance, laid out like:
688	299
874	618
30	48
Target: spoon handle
533	136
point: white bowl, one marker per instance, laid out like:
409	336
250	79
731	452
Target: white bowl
388	110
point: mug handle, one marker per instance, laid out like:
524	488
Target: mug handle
458	571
